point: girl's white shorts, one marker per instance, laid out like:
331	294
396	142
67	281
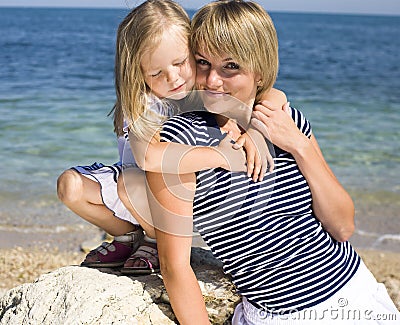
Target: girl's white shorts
107	177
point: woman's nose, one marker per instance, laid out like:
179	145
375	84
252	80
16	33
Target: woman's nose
214	80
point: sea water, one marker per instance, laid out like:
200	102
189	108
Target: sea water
57	88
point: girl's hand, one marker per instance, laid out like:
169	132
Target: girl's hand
235	160
258	156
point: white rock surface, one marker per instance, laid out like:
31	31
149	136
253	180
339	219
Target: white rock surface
77	295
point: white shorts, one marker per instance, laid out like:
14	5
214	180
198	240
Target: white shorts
107	177
361	301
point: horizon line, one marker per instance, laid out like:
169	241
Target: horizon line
194	9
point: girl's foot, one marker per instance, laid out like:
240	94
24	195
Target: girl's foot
144	260
114	254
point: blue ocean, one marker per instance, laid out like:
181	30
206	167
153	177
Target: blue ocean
57	88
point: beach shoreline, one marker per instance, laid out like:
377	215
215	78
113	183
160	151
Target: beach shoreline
25	256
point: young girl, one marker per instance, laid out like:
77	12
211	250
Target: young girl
153	61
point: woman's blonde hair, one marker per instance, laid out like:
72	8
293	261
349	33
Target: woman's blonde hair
242	29
139	32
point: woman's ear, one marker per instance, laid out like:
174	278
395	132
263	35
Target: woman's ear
258	79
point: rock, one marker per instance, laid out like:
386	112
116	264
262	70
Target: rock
77	295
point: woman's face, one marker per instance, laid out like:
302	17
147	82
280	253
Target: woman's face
169	69
222	75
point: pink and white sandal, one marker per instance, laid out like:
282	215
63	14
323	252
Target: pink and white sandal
146	253
114	254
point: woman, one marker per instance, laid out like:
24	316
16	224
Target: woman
284	239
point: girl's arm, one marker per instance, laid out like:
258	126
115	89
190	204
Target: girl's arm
332	205
175	158
276	97
150	156
174	247
258	155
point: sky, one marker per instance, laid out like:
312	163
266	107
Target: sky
385	7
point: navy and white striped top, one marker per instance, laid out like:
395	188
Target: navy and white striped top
265	233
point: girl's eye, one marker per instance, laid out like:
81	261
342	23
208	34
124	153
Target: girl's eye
182	62
155	75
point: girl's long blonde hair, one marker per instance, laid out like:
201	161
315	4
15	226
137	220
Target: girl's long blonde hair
242	29
141	31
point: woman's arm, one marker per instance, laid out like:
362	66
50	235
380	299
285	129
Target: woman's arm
332	205
174	247
258	155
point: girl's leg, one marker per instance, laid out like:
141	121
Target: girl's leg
132	192
82	195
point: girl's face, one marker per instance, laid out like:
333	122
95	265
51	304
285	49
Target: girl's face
222	75
169	70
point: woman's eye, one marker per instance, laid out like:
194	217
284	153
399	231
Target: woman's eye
202	62
232	66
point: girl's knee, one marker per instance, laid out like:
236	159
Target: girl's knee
69	186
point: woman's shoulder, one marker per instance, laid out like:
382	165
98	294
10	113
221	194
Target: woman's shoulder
194	118
186	128
276	96
301	121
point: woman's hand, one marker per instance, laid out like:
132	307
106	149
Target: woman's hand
258	156
276	124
